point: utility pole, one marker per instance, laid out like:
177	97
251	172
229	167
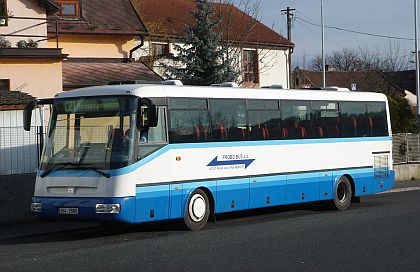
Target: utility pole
417	63
288	12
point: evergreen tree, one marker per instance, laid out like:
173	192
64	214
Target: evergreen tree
202	59
403	118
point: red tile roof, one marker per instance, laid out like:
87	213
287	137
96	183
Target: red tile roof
170	17
8	98
103	17
79	73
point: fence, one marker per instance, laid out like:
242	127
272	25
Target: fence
406	148
20	150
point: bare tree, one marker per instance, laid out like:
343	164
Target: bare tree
345	60
392	58
395	59
316	63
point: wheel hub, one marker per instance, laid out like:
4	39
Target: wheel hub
197	208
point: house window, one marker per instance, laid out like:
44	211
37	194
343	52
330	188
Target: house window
159	49
3	13
69	8
4	84
250	65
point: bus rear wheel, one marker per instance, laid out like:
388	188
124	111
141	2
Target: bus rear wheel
197	210
342	194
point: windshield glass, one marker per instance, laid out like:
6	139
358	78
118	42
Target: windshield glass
94	132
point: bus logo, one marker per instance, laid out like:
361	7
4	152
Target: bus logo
216	162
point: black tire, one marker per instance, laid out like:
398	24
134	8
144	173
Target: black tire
342	194
197	210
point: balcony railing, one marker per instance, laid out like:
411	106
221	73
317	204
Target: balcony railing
36	38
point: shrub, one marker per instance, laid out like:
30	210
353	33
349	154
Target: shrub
4	42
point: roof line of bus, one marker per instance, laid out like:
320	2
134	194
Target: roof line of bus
148	90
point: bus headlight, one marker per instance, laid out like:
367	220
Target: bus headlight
36	207
107	208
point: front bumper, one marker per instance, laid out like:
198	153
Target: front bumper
86	209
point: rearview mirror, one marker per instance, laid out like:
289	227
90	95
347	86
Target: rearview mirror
30	106
147	114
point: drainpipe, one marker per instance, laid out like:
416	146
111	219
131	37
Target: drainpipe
130	57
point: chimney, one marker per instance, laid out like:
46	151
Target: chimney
329	68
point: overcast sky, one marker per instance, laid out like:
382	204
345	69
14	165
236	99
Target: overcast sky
383	17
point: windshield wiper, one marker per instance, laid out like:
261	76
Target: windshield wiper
96	170
58	166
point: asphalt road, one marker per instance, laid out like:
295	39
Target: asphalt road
379	234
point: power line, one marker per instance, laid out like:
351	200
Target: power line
355	31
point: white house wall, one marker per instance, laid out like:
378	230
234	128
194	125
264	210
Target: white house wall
273	63
274	68
30	9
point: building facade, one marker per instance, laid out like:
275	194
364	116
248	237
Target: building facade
260	54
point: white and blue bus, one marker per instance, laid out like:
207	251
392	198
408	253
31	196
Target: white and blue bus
141	153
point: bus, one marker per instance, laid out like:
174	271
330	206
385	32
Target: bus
139	153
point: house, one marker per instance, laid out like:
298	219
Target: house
35	67
373	81
262	54
99	38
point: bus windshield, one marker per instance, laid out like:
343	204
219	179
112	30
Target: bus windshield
91	132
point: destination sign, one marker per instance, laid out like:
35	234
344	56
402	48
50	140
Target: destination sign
91	105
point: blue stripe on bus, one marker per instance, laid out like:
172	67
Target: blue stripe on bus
133	167
161	202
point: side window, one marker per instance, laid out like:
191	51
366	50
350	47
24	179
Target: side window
188	126
69	8
228	120
189	120
296	119
353	119
153	138
264	120
376	120
325	119
157	134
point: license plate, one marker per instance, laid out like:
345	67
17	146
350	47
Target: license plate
68	211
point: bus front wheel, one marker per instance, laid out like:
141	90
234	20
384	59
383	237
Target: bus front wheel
197	210
342	194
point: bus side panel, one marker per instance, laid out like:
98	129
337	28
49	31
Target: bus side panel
326	185
267	191
152	203
176	200
302	188
232	195
363	181
381	182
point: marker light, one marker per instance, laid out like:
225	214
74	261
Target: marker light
36	207
108	208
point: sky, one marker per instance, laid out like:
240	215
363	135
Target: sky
383	17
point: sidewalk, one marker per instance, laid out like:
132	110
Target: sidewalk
37	227
407	184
